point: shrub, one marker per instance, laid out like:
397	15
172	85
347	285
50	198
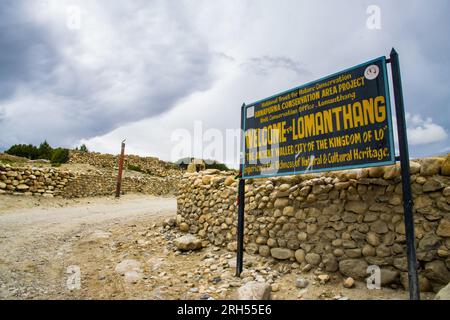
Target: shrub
83	148
216	165
60	155
24	150
183	162
134	168
45	151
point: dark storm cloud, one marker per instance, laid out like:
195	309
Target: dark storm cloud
26	51
125	63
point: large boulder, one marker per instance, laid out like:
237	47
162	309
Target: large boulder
431	166
191	168
281	253
443	294
254	291
376	172
313	258
444	228
300	255
354	268
437	271
445	169
429	242
414	167
379	227
281	203
389	276
206	180
188	242
424	283
229	181
356	206
432	185
330	262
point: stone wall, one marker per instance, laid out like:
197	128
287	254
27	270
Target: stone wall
47	182
53	182
340	222
103	184
149	165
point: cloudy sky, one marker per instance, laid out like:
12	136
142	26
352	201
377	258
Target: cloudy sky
158	72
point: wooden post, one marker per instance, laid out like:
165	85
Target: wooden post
119	174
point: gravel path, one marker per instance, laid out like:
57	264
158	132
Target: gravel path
42	239
35	240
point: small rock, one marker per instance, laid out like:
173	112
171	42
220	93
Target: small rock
229	181
128	265
323	278
307	268
301	283
205	296
22	187
300	255
133	276
206	179
349	282
184	227
254	291
188	242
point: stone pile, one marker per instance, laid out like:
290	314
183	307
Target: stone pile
338	222
150	165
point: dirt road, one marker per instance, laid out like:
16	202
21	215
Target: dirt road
37	236
45	243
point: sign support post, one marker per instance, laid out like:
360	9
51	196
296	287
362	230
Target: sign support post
342	121
240	228
405	172
241	201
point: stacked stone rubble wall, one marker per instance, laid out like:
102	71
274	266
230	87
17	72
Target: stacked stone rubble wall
339	221
53	182
149	165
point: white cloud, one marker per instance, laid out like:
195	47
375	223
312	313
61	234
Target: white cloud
423	131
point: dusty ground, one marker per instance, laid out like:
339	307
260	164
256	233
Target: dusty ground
41	238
